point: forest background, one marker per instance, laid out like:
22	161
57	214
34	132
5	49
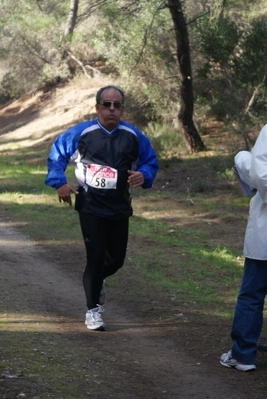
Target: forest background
184	261
192	59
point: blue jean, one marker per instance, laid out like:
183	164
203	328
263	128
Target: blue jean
248	317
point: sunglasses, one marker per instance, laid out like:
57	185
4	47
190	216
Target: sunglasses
116	104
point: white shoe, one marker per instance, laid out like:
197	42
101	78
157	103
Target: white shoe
93	319
228	361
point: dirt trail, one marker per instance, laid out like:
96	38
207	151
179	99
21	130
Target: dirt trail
46	350
43	307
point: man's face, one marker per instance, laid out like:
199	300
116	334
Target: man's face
109	112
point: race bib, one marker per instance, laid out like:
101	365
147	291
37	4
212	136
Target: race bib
100	176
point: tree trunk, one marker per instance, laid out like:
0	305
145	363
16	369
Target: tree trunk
185	115
71	21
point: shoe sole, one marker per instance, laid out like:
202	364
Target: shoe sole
96	328
100	328
245	368
238	367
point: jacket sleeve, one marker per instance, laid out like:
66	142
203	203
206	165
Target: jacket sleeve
147	163
243	164
258	169
60	154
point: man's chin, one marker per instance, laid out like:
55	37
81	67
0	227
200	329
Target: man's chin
111	124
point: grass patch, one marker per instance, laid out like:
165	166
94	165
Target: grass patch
179	259
178	234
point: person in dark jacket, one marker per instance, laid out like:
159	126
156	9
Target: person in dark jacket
110	156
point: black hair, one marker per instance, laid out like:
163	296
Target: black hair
100	91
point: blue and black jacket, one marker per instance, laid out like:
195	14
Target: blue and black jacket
102	159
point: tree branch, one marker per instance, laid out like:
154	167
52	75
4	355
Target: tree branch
254	95
146	35
82	66
197	17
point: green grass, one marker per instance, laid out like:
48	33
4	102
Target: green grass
188	270
180	260
181	269
45	368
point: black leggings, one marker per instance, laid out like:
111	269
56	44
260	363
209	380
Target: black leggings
105	242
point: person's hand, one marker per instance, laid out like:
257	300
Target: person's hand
64	193
135	179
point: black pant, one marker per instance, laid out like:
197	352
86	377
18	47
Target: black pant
105	242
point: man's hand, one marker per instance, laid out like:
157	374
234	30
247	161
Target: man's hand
135	179
64	193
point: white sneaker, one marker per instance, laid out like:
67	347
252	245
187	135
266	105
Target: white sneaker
93	319
228	361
